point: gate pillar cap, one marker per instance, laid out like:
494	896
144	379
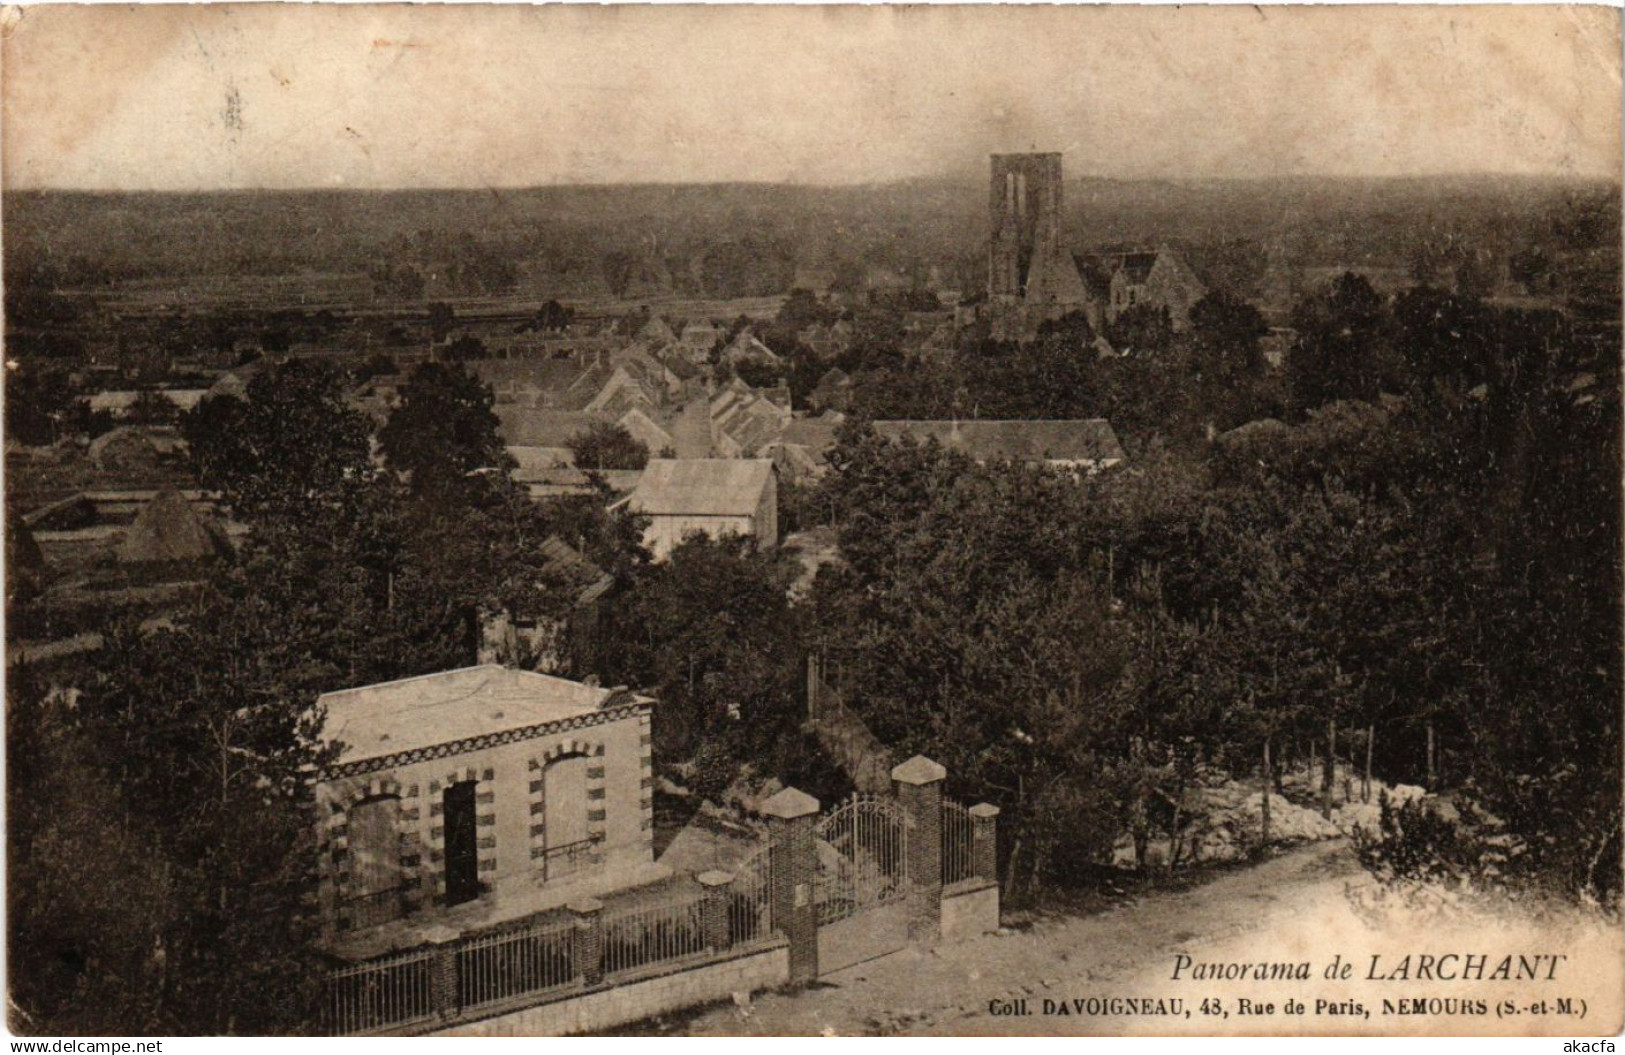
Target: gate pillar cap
440	935
984	809
790	804
585	906
714	878
919	770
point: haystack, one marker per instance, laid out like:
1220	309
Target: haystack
126	448
22	551
169	530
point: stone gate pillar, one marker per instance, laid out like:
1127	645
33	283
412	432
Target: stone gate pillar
793	854
918	783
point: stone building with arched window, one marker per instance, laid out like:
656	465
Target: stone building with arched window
472	796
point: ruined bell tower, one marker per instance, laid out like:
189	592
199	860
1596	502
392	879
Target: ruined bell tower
1024	211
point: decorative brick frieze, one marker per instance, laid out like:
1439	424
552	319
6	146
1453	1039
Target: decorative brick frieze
483	741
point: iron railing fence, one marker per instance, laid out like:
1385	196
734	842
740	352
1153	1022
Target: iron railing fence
387	992
750	899
641	937
529	961
958	843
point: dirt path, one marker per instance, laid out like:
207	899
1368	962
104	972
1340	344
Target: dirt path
1126	951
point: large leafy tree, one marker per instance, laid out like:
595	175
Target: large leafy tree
712	632
181	772
971	625
1339	354
290	448
603	445
443	431
1225	352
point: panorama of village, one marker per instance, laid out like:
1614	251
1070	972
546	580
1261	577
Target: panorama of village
762	608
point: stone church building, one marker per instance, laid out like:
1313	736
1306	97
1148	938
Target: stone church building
1032	277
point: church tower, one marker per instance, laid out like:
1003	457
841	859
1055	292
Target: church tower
1024	211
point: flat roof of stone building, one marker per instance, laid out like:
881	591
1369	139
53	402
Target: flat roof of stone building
395	716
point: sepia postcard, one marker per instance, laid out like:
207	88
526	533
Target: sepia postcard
745	521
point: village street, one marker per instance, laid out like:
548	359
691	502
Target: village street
1126	951
1294	908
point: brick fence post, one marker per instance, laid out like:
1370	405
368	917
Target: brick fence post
918	783
714	908
792	816
984	840
588	947
443	996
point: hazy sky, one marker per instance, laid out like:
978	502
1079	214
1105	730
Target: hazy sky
379	96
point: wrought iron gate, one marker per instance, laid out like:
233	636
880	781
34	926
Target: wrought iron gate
860	890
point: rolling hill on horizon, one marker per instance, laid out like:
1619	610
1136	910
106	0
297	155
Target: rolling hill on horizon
88	238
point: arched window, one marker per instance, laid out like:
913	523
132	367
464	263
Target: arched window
375	863
564	797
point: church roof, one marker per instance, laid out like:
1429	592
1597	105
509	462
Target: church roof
1053	279
1137	266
